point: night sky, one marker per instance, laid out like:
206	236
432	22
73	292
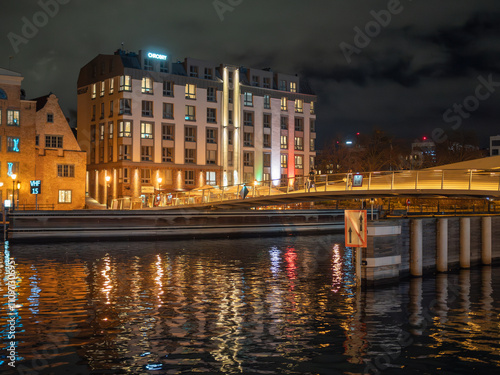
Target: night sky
422	67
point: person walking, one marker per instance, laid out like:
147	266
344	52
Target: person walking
312	180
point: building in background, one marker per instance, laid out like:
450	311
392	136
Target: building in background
37	144
495	145
423	153
149	124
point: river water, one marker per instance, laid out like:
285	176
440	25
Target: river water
252	306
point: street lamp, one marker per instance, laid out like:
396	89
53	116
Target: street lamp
13	176
107	178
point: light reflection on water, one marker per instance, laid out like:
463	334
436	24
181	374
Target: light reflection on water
274	305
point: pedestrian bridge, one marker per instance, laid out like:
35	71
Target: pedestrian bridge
435	183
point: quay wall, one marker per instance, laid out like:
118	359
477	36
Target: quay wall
36	226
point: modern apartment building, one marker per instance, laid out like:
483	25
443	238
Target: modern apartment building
149	124
38	147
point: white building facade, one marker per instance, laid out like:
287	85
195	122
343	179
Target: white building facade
149	124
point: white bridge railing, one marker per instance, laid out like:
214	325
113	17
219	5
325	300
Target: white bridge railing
365	181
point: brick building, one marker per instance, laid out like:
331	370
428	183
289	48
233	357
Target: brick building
149	123
36	143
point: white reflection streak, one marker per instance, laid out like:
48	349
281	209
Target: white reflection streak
35	292
159	279
107	280
336	269
274	254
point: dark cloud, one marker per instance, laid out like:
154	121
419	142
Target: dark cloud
427	58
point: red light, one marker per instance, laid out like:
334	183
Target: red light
424	138
357	133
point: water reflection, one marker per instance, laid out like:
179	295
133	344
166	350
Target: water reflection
278	305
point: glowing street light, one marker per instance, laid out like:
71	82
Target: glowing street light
13	176
107	178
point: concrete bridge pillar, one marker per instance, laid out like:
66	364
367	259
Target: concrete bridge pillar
442	245
465	242
416	248
486	240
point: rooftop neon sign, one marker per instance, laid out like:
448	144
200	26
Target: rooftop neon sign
156	56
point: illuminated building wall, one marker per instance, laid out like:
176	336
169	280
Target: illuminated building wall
36	143
194	122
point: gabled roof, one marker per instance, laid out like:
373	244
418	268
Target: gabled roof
6	72
41	101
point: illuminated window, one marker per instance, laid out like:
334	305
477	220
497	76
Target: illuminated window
299	124
168	110
168	132
267	102
13	118
190	113
125	107
267	120
93	91
266	159
167	154
103	88
284	142
248	99
101	131
111	85
125	129
125	83
210	178
293	87
147	85
299	162
284	106
211	157
312	144
190	91
64	196
248	159
284	160
299	143
54	141
147	108
189	177
312	108
168	88
189	156
190	134
211	115
299	105
146	153
146	130
211	135
65	170
12	144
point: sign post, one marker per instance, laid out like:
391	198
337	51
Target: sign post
356	235
36	188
